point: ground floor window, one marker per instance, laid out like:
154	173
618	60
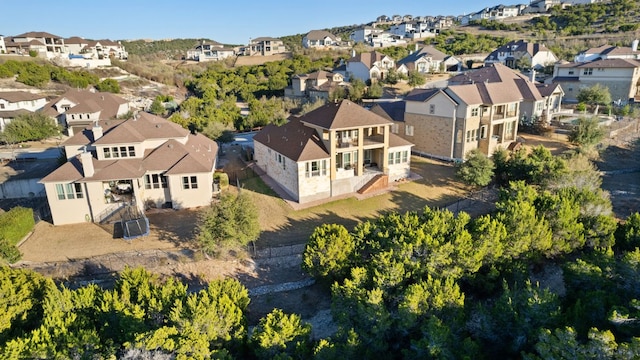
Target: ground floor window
316	168
398	157
346	160
189	182
155	181
69	191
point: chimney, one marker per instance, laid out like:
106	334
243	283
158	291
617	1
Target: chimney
86	160
533	75
634	45
97	131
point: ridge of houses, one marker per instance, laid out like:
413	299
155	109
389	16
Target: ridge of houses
74	50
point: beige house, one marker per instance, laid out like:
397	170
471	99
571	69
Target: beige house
76	109
606	52
539	101
621	76
145	161
94	49
264	46
15	103
45	44
313	86
340	148
447	123
210	51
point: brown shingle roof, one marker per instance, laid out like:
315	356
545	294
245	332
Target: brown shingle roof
107	102
342	115
16	96
368	58
37	34
320	34
143	126
611	63
293	140
499	74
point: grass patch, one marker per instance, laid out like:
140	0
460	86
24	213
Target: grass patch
256	184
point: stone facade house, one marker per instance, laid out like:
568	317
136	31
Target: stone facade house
340	148
144	161
264	46
369	66
428	59
315	85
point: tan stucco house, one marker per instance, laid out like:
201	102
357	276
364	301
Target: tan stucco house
337	149
16	103
145	161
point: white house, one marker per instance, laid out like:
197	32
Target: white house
605	52
369	66
15	103
320	39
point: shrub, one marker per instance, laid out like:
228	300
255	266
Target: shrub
223	179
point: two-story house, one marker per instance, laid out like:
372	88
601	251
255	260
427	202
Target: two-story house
320	39
313	86
620	76
539	101
144	161
447	123
537	56
428	59
45	44
340	148
15	103
605	52
76	109
365	34
209	51
94	49
369	66
497	12
264	46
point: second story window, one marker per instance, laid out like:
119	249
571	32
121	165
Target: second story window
588	71
408	130
432	108
475	112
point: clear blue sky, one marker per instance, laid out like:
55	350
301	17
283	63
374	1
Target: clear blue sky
225	21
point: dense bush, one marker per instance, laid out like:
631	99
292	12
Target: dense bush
29	127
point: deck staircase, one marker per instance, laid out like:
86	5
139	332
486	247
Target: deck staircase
379	182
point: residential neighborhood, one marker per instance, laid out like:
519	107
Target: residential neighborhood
271	180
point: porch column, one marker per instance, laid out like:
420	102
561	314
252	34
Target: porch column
332	153
360	165
385	149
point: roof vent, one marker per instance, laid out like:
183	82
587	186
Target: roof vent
158	126
170	146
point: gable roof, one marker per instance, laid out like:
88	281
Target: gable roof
320	34
105	102
508	78
421	94
367	58
37	34
610	63
425	51
17	96
293	140
518	46
342	115
172	157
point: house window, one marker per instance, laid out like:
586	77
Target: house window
73	117
1	106
155	181
107	153
483	132
408	130
123	151
132	151
316	168
398	157
405	156
570	72
432	108
588	71
189	182
69	191
475	112
394	128
509	127
346	160
472	135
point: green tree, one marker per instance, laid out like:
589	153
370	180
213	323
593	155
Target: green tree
595	96
587	133
357	89
108	85
416	78
477	170
156	107
374	91
328	252
229	222
628	233
30	127
282	336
